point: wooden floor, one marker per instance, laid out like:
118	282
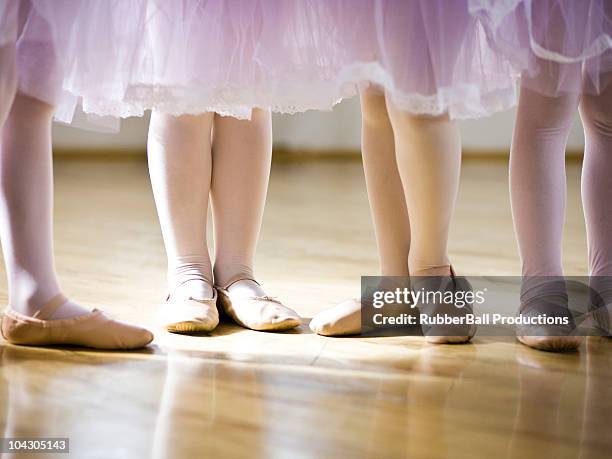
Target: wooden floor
239	393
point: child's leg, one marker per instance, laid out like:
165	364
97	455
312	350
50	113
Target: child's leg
596	116
242	152
596	113
180	164
388	208
537	179
537	190
428	151
26	176
385	192
26	229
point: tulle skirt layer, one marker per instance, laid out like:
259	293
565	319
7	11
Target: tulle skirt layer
430	56
72	52
120	58
559	45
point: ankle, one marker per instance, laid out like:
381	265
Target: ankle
226	276
390	270
424	271
188	269
30	303
190	280
247	288
545	290
64	309
191	288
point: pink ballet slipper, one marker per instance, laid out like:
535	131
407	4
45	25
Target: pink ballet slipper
190	315
262	313
95	329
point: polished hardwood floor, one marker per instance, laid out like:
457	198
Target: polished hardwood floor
239	393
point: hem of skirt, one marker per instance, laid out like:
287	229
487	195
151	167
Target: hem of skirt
460	101
497	10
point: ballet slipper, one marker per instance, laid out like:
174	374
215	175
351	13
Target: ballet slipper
550	299
445	334
344	319
552	343
548	337
95	329
189	315
261	313
341	320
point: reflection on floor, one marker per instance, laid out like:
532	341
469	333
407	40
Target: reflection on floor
238	393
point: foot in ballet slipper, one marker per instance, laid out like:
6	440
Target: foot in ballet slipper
341	320
552	343
187	315
94	330
255	311
550	299
345	318
445	334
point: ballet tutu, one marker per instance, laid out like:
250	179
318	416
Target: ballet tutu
229	56
119	58
76	52
429	56
558	45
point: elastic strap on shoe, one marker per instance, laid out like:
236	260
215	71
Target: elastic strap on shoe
50	307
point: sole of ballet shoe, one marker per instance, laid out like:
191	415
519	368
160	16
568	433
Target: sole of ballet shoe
324	331
189	327
227	307
94	330
185	316
549	338
552	343
448	339
283	325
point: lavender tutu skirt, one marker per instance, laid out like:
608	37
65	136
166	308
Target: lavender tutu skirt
120	58
559	45
430	56
77	52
